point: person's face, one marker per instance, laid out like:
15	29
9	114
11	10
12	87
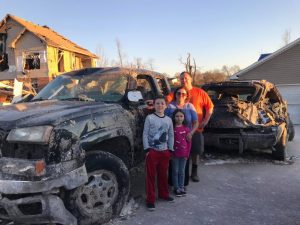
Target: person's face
186	80
160	105
181	95
179	118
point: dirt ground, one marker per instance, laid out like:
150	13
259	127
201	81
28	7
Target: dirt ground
233	190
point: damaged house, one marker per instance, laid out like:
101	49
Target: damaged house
37	54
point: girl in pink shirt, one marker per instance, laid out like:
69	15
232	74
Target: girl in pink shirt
181	153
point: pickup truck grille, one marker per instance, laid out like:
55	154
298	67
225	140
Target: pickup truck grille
21	151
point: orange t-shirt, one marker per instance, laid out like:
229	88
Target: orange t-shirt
201	101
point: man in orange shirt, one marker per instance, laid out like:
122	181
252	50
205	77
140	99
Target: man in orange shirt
204	107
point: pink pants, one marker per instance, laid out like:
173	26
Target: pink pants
157	163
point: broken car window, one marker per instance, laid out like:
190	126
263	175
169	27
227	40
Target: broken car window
108	87
223	93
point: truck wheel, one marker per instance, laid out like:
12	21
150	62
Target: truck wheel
291	130
280	148
106	191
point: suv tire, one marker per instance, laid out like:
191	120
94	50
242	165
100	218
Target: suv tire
291	130
280	152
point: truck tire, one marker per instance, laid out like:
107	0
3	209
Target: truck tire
105	193
280	149
291	130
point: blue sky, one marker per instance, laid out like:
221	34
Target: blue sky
215	32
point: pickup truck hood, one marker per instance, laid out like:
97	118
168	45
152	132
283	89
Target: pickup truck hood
49	112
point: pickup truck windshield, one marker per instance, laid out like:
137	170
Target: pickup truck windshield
104	87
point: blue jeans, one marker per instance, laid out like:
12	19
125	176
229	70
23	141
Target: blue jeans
178	171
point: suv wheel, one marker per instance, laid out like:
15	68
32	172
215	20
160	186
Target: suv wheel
280	152
291	130
105	193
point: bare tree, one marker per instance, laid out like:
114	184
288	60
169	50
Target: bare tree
230	70
103	60
213	76
138	63
120	54
225	70
234	69
286	37
191	69
150	64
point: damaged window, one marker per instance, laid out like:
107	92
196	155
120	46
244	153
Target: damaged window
162	85
3	55
2	43
3	62
223	93
32	61
145	85
60	64
107	88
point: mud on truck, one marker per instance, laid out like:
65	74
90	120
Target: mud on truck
65	154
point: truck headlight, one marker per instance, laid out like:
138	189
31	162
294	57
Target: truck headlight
39	135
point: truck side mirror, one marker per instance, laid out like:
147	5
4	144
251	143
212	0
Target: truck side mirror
134	96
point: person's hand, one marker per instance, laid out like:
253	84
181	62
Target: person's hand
189	137
147	151
202	124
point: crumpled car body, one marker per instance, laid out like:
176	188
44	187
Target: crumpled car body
248	115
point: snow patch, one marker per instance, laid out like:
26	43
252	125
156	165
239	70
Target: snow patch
221	162
129	208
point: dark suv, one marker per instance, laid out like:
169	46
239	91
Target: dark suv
248	115
65	155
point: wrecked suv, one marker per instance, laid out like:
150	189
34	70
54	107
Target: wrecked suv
65	155
248	115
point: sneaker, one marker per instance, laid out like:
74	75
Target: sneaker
150	206
177	193
182	192
169	199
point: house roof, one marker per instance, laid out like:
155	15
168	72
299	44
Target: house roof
267	58
48	35
262	56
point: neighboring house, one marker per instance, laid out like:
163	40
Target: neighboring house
283	69
37	53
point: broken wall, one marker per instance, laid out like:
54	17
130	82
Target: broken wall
31	59
12	29
52	54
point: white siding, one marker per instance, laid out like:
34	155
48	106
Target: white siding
281	69
291	93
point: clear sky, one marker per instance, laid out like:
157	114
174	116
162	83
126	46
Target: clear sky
215	32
